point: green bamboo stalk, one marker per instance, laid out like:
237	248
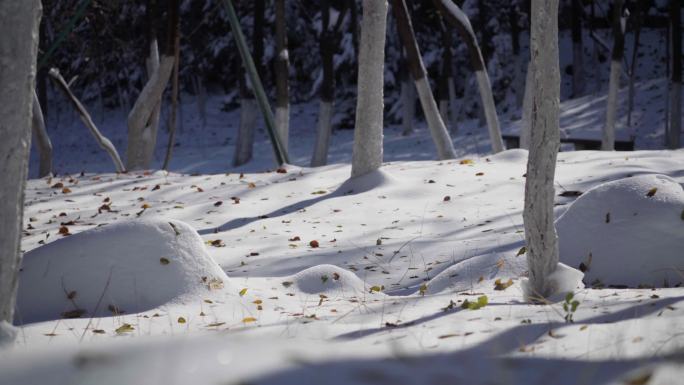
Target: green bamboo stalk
63	33
280	152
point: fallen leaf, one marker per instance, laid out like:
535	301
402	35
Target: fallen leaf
164	261
181	320
125	328
522	251
248	319
243	292
98	331
66	190
498	285
313	244
76	313
217	204
466	161
651	192
295	238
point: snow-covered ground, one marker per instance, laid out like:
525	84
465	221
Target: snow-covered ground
409	275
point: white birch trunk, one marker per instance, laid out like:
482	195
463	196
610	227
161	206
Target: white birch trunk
140	135
408	105
527	109
150	134
608	140
490	111
245	136
104	143
367	152
18	49
540	232
320	155
282	122
42	141
675	116
453	107
445	148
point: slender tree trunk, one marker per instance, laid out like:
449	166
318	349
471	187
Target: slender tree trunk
408	96
676	86
637	18
453	14
367	152
42	139
152	65
578	81
282	71
244	142
326	106
142	136
248	106
445	89
608	141
440	135
175	89
104	143
527	109
521	59
18	49
540	233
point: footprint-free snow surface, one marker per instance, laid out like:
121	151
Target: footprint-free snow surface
412	275
124	267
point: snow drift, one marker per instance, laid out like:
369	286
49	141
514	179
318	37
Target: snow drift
125	267
328	279
626	232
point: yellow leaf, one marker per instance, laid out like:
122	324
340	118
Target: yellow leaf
257	302
125	328
243	292
181	320
466	161
248	319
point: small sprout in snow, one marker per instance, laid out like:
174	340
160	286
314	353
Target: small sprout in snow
324	278
570	306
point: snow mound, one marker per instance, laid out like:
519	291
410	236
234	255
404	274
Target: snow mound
8	333
328	279
626	232
515	155
366	182
126	267
478	271
563	281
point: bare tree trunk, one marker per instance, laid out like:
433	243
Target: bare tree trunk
326	106
367	152
174	92
104	143
521	60
453	14
42	139
282	71
408	97
445	90
608	141
540	233
142	136
248	107
676	86
18	49
637	18
527	109
440	135
577	51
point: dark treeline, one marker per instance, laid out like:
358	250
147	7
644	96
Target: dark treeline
108	46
